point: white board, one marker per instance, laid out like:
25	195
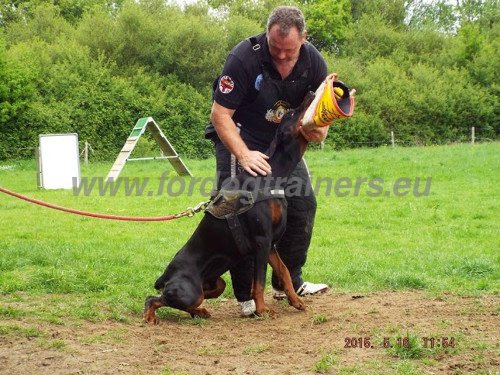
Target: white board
59	161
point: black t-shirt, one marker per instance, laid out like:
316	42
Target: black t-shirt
259	107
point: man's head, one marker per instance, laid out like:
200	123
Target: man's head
286	32
287	17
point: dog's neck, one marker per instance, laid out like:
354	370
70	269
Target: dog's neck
284	157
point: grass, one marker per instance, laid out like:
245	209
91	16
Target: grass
406	347
15	330
98	269
112	336
210	351
10	312
256	348
167	371
52	344
324	364
319	319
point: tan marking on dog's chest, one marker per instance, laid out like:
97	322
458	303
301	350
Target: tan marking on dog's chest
276	211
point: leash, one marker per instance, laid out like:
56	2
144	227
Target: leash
189	212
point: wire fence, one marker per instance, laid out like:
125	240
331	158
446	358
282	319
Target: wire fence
408	140
87	152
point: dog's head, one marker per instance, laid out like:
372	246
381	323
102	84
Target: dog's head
288	135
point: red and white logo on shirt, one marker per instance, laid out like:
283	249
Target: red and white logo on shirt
226	84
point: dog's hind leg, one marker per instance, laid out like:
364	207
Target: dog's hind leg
214	289
286	281
152	303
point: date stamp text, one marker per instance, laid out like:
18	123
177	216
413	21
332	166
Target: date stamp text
366	342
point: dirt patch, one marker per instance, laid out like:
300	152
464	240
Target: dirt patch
295	342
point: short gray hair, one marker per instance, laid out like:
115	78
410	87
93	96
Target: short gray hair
287	17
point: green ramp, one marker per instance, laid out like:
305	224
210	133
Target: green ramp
168	151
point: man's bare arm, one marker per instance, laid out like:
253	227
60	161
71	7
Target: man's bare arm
254	162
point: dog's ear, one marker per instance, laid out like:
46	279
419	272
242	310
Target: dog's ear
272	148
307	100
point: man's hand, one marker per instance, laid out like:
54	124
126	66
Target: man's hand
255	162
314	134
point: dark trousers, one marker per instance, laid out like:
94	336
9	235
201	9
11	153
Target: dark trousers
293	246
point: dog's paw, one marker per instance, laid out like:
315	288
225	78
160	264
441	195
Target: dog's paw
266	312
273	314
297	303
151	319
200	313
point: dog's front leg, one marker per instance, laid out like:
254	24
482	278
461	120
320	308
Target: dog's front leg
286	280
194	309
152	303
259	280
198	312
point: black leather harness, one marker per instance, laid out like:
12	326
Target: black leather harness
229	204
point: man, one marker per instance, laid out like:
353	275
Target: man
264	77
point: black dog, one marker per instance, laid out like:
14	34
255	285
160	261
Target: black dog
255	221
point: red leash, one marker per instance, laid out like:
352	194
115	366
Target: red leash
189	212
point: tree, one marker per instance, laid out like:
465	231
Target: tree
44	22
428	71
438	15
16	92
371	37
392	12
257	10
238	28
71	10
327	23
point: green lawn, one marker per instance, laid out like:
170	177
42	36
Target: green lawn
100	269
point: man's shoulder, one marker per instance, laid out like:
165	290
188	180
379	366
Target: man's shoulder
314	54
245	50
238	75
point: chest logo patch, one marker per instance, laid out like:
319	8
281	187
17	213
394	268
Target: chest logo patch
280	108
226	84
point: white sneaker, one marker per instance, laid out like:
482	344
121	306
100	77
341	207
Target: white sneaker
247	307
305	289
310	289
278	294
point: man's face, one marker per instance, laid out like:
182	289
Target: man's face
284	49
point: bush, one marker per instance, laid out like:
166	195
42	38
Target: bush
16	92
95	67
361	130
75	93
182	117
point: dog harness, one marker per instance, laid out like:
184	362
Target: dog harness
229	204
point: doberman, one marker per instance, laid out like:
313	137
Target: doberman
194	273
